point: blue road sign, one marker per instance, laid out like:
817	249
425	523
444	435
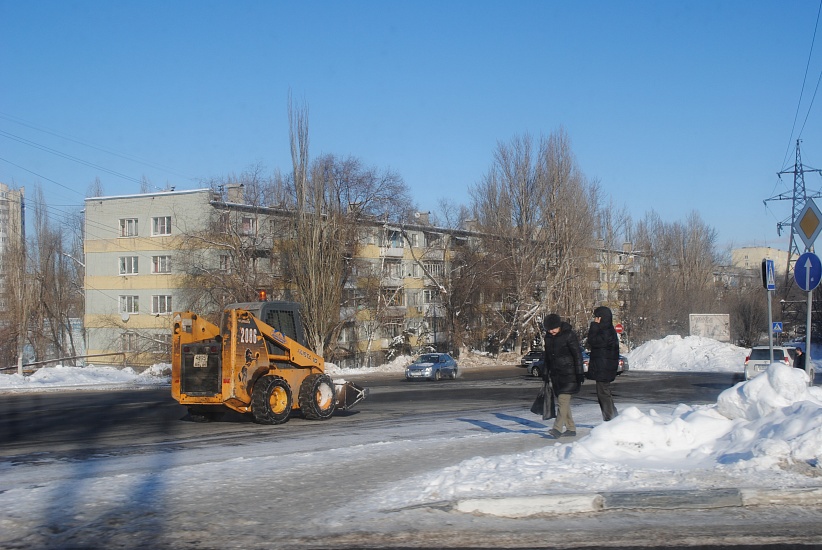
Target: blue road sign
777	327
807	271
768	274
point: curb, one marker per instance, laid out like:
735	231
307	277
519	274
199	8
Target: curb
573	503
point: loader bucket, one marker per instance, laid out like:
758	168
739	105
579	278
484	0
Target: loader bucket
348	394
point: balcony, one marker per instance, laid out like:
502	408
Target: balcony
392	252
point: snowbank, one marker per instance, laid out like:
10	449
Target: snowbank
766	432
692	353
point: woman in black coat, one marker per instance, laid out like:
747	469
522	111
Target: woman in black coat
604	359
563	365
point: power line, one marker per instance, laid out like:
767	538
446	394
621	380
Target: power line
17	120
802	91
66	156
41	176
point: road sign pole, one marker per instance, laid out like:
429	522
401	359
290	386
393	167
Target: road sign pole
808	365
807	273
770	326
769	282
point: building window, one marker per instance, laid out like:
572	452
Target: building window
225	263
161	225
394	297
128	227
392	269
128	341
249	226
436	269
161	305
431	296
129	304
432	239
392	328
162	343
128	265
393	239
346	335
161	264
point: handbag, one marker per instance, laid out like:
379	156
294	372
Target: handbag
544	404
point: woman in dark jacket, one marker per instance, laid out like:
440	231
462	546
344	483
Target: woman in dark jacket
563	365
604	359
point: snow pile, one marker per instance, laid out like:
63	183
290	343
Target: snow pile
764	432
87	377
692	353
398	364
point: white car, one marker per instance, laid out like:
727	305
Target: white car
760	358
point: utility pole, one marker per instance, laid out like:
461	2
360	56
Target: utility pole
798	197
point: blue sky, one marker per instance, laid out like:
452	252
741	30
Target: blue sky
672	106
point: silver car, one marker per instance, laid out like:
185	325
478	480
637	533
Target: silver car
760	358
432	366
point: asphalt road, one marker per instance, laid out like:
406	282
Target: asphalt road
84	423
55	427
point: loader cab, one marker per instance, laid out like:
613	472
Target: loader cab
284	316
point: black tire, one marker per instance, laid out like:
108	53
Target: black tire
535	371
318	399
271	400
437	375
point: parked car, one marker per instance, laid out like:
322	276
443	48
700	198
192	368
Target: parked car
432	366
530	359
760	358
535	369
623	363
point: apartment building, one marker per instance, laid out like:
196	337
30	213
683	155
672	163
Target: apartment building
131	245
140	258
614	270
12	227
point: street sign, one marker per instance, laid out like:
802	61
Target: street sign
619	328
768	275
809	223
777	327
807	271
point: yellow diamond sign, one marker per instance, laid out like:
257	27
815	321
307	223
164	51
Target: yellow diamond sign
809	223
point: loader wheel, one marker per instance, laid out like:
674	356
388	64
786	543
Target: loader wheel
271	400
317	397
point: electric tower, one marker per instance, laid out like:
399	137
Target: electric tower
798	198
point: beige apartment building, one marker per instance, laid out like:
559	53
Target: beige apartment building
140	260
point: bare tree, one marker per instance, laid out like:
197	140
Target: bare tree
614	225
57	297
749	315
330	198
230	258
537	210
95	188
676	276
